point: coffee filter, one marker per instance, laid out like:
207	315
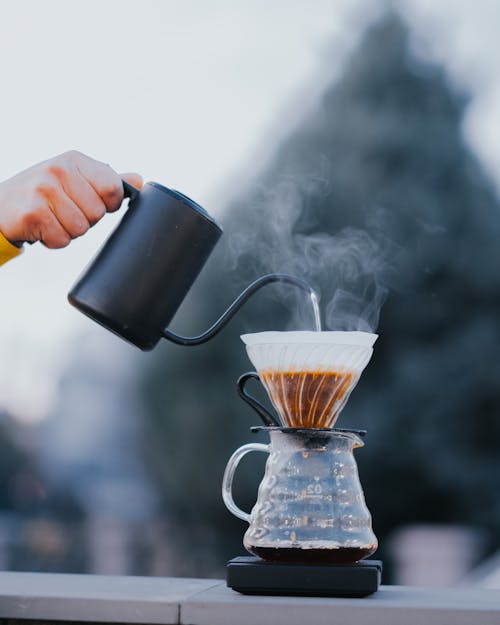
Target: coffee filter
309	376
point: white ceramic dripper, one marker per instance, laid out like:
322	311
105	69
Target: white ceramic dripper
309	376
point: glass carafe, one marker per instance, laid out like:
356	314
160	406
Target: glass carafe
310	505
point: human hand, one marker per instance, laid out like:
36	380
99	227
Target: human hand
59	199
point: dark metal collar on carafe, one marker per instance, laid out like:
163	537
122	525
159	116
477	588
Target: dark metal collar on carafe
304	430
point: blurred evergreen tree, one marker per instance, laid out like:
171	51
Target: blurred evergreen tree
13	463
384	154
41	528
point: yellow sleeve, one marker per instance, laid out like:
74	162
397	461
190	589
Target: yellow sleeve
7	250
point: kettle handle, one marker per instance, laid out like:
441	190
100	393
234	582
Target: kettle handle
129	190
227	480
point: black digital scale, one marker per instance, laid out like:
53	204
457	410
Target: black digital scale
250	575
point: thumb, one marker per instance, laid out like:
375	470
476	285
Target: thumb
133	179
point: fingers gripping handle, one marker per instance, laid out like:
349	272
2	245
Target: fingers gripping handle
227	480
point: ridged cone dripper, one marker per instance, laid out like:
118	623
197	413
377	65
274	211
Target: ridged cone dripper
309	375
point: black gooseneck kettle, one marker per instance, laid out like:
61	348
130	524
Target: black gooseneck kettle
141	275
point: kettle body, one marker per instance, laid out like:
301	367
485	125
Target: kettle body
142	273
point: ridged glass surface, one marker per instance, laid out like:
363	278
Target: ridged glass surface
310	503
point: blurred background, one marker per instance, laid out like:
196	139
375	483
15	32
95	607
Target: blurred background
355	143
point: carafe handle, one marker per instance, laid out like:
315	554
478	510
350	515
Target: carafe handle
227	480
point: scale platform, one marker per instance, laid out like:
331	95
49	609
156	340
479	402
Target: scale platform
250	575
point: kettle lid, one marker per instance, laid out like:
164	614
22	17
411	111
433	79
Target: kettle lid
186	200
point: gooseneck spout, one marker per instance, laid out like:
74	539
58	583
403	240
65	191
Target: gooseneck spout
224	319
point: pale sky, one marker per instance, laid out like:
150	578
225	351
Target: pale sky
190	93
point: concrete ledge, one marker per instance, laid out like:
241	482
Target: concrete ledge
96	598
176	601
391	605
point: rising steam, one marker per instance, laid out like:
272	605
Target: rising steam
350	269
